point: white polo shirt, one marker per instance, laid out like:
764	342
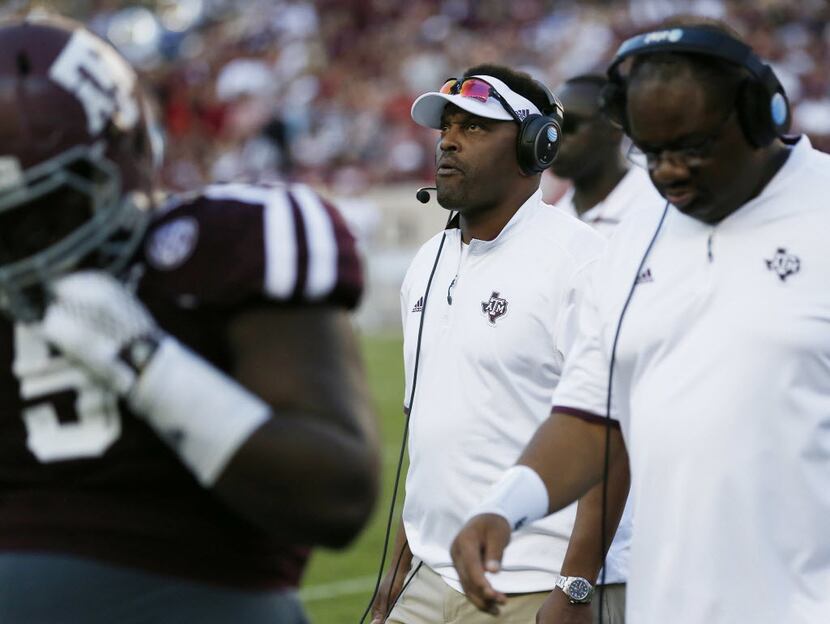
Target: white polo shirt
499	319
633	193
722	387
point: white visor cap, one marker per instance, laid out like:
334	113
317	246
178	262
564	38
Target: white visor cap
427	109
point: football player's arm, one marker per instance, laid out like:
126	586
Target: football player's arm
285	440
309	472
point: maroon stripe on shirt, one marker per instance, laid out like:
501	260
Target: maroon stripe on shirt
302	247
607	220
586	416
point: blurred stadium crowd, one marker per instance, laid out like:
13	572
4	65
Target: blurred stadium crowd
320	91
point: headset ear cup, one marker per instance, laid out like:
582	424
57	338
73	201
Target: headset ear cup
548	141
612	104
524	147
538	143
553	138
754	113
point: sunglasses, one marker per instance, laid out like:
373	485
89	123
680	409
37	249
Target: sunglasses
477	89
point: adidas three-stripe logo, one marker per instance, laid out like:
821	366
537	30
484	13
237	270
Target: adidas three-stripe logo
644	277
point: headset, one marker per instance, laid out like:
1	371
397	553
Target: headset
612	360
422	196
539	137
762	106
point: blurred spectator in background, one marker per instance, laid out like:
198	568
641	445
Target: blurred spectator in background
346	70
605	184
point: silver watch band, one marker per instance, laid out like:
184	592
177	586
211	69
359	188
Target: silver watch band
579	590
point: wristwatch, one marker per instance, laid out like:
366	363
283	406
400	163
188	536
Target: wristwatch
577	589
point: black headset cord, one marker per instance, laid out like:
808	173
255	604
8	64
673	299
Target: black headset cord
403	441
612	361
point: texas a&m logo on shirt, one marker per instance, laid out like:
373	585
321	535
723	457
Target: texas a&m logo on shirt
783	264
494	308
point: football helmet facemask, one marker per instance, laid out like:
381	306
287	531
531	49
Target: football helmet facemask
78	163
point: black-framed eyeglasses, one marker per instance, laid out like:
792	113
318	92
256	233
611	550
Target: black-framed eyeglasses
478	89
689	156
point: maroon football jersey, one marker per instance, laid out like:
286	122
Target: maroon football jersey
80	474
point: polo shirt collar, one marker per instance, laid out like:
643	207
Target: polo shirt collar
800	153
761	205
522	215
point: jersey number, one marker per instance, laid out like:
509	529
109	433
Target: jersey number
67	415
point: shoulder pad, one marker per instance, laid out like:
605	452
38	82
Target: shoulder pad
234	242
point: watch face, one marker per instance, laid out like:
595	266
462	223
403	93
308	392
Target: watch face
579	589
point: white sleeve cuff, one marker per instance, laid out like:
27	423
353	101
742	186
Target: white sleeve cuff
201	412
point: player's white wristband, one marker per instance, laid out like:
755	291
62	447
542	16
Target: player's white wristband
520	496
203	414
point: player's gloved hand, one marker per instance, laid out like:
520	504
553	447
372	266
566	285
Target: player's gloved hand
95	320
477	548
557	609
201	412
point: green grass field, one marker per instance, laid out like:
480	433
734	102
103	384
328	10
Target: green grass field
337	585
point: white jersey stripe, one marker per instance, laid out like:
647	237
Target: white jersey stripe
280	247
243	193
322	244
280	232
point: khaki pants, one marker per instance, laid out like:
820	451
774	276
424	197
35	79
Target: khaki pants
429	600
613	607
